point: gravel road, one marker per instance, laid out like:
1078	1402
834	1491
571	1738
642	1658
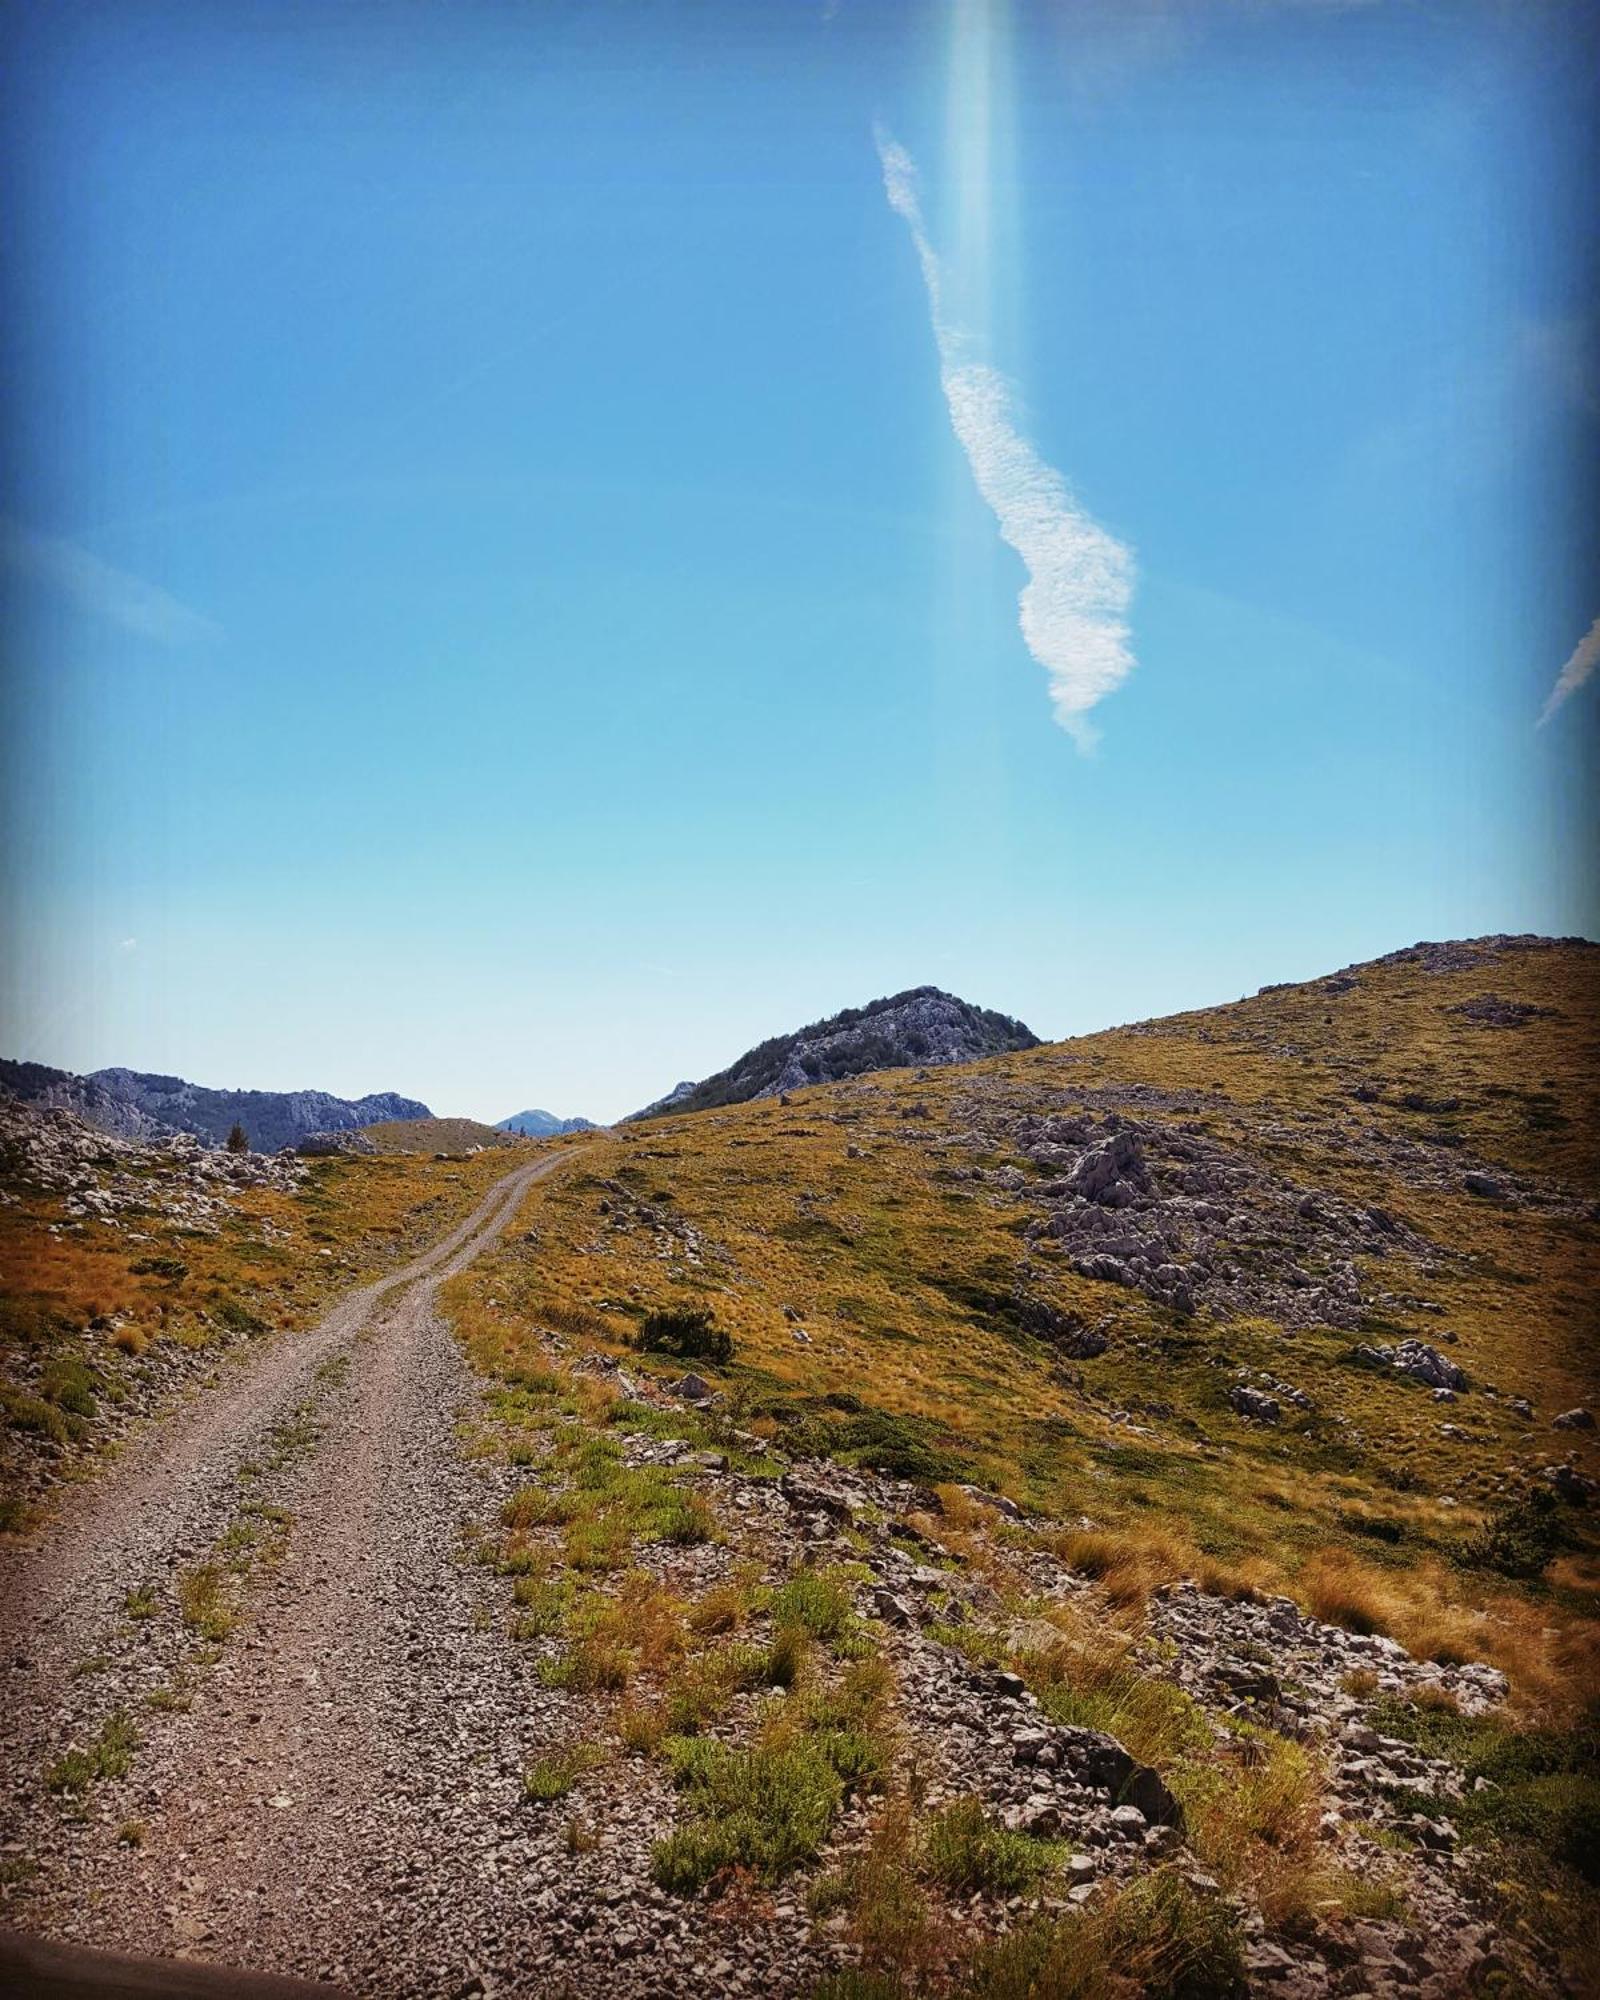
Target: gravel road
296	1801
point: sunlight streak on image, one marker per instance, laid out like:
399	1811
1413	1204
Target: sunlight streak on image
1073	608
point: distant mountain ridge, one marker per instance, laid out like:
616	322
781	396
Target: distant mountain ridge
138	1104
922	1025
544	1124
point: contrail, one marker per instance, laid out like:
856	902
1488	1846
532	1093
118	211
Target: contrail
1585	657
128	601
1073	608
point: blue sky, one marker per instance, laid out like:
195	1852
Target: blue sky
498	608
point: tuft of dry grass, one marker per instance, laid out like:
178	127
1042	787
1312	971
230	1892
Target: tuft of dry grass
642	1729
724	1608
205	1601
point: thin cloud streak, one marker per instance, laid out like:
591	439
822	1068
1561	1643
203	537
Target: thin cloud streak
139	607
1585	658
1073	608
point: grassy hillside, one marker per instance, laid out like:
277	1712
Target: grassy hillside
881	1252
1104	1319
437	1135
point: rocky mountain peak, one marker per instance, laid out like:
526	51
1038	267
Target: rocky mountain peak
923	1025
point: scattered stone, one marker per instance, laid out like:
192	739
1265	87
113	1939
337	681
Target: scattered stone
1255	1404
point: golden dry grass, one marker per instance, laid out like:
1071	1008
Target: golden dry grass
276	1262
848	1215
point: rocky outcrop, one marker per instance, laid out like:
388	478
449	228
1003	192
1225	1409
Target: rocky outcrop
1152	1204
920	1026
102	1176
322	1145
138	1104
1417	1359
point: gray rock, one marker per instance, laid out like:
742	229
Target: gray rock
811	1496
1426	1364
1245	1678
1026	1744
1569	1483
1255	1404
1573	1420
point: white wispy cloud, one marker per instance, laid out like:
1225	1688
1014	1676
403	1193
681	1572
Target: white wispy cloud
1073	609
1585	658
128	601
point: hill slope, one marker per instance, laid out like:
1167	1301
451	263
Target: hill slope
919	1026
1168	1274
135	1104
453	1136
1089	1364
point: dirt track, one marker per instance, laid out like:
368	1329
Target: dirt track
287	1812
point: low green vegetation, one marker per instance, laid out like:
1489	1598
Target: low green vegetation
767	1805
969	1853
1540	1798
110	1755
205	1601
689	1332
554	1776
1158	1937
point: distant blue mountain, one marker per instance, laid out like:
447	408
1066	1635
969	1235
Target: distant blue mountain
139	1105
544	1124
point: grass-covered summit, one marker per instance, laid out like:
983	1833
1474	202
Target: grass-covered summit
920	1026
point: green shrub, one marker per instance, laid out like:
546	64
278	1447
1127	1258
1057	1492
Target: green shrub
71	1386
109	1756
1519	1537
25	1412
682	1519
234	1315
812	1601
689	1332
543	1606
968	1853
204	1603
161	1267
764	1809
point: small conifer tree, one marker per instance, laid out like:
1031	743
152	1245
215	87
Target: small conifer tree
238	1139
